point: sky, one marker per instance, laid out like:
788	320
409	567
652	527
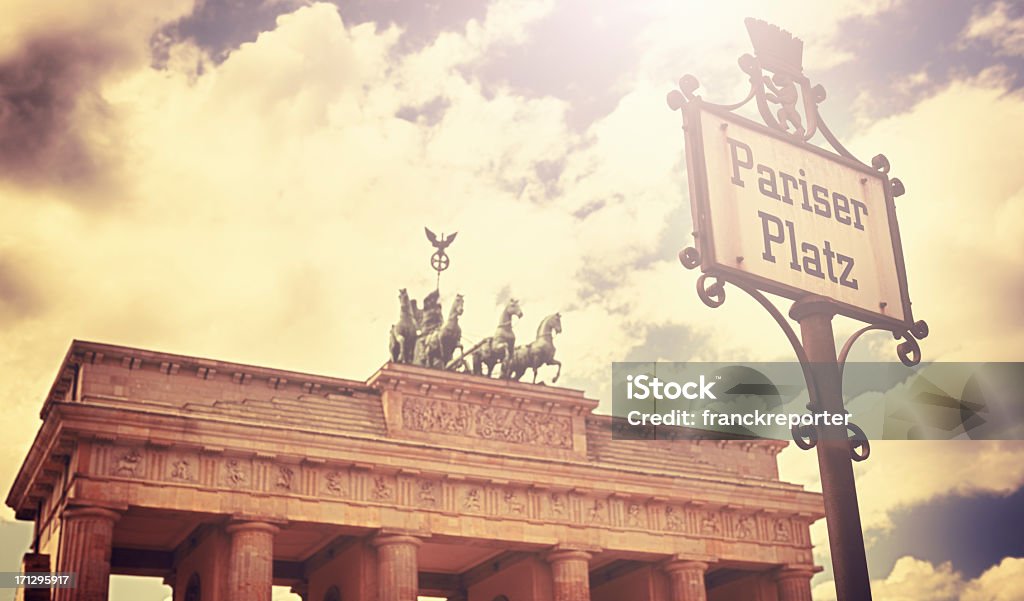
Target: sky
248	180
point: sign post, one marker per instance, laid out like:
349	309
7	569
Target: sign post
773	212
842	514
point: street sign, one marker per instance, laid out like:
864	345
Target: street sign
793	219
774	212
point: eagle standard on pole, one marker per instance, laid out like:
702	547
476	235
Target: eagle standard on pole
439	260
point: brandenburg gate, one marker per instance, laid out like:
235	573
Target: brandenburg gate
226	479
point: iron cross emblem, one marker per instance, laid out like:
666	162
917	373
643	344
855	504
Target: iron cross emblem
439	260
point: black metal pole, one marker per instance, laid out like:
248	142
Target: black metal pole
842	514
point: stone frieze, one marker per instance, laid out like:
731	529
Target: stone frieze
518	426
366	485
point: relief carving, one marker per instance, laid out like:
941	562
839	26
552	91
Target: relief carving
428	415
336	484
128	463
675	519
236	475
781	531
557	503
285	475
525	427
426	495
181	470
382	490
744	528
633	514
513	505
597	514
491	423
711	524
471	502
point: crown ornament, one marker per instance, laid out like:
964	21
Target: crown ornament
776	49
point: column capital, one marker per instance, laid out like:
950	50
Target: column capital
395	538
564	554
794	582
681	565
247	526
787	572
90	511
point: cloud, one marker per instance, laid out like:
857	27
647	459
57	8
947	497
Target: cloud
999	26
681	36
47	107
914	580
55	125
963	189
901	474
1004	582
19	296
219	26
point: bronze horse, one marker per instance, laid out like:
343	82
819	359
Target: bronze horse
498	348
539	352
439	345
403	333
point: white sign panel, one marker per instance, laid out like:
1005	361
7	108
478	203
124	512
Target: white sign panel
798	220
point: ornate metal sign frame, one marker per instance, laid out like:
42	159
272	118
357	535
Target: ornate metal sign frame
777	96
779	53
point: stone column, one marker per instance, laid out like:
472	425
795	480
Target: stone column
794	583
397	567
570	571
687	579
302	590
87	534
34	562
250	561
171	579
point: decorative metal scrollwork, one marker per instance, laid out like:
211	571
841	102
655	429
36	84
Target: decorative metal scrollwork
919	329
689	257
860	447
711	290
677	99
881	164
805	437
909	350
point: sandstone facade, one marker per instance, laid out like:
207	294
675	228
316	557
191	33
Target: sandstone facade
225	479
